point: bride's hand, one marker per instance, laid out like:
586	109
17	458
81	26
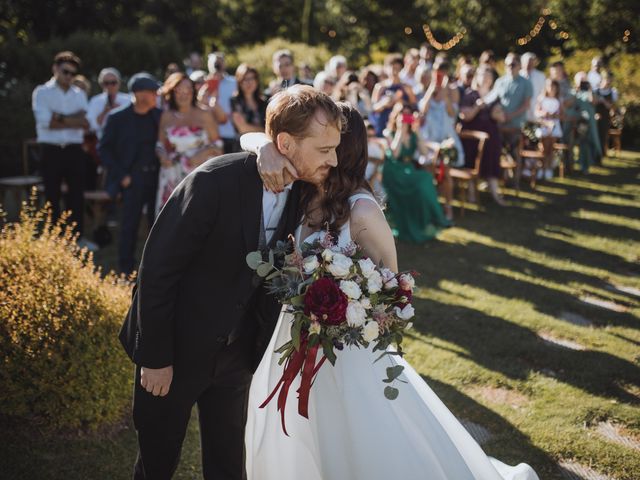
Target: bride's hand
274	168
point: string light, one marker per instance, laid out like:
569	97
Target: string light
408	30
627	34
449	44
535	30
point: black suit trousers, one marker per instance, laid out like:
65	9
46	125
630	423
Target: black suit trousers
221	397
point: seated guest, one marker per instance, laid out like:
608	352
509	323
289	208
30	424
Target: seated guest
475	114
324	82
548	114
285	72
606	98
377	150
412	199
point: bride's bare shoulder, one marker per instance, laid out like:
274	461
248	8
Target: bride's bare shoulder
369	228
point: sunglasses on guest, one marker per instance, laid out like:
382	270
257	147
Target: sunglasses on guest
109	83
68	72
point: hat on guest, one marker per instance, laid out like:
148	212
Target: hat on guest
143	81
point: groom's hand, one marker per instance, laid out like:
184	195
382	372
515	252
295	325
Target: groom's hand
156	380
274	168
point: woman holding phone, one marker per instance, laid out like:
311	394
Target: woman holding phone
412	199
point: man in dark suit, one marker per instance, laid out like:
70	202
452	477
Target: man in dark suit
200	319
285	72
127	149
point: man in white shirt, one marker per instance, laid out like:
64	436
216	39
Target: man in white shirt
110	98
537	79
595	76
59	109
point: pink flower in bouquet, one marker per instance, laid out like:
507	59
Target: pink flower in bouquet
326	301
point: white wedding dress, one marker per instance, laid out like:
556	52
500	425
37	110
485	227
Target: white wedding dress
353	431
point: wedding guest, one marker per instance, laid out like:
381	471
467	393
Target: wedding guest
475	114
306	73
570	110
408	73
606	99
324	82
60	109
548	114
111	98
412	199
285	72
376	150
389	92
488	57
514	93
248	106
171	69
537	79
590	150
427	55
594	77
127	151
226	88
194	63
187	135
368	80
336	67
83	84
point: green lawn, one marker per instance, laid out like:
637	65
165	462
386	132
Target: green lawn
561	262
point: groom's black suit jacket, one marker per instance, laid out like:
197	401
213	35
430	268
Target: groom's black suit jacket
194	288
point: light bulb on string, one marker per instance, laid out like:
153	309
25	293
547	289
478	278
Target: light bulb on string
452	42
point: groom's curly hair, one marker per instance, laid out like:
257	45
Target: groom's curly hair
345	179
292	110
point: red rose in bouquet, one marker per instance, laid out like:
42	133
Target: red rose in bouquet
326	301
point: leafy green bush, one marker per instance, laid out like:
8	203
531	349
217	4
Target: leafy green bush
259	56
62	364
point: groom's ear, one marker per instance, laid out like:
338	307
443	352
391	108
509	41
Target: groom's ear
285	143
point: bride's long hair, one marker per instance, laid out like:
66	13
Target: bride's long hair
345	179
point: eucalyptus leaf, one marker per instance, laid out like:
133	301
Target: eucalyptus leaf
264	269
254	259
272	259
273	275
394	372
391	392
297	301
327	349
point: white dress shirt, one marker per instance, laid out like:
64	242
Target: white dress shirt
48	99
537	79
272	207
96	107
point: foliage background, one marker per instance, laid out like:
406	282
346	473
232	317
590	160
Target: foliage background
136	35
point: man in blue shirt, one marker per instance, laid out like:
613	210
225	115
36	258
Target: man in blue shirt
127	149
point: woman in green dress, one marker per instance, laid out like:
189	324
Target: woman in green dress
412	199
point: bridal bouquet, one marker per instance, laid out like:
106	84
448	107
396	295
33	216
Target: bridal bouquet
337	298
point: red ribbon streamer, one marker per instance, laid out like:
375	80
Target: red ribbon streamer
304	361
440	176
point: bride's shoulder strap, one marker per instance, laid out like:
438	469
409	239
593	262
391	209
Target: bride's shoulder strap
357	196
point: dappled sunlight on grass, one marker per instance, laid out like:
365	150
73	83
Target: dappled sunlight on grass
551	190
607	218
625	249
588	185
465	237
524	195
613	200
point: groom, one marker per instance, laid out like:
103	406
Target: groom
200	320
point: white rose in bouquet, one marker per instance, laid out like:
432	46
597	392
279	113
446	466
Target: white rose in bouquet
407	282
350	289
340	265
389	279
327	255
367	267
406	313
356	314
374	282
370	331
310	264
366	303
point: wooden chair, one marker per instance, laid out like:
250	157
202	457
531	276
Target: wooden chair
562	149
463	177
615	134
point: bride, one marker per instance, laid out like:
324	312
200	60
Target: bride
353	432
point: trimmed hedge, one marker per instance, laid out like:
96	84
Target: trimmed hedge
62	364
